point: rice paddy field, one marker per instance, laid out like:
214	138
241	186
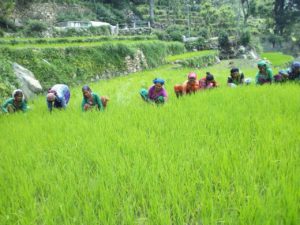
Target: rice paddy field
223	156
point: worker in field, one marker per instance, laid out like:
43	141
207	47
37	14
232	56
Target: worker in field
264	74
191	85
294	71
16	103
208	82
282	76
237	78
92	101
58	97
156	93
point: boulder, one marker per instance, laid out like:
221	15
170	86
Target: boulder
252	54
28	83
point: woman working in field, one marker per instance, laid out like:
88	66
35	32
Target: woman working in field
294	71
237	78
264	74
208	81
156	93
191	85
58	97
92	101
16	103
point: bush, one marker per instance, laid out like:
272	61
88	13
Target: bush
200	44
176	35
1	33
224	40
103	30
7	25
104	13
162	35
34	28
245	38
203	32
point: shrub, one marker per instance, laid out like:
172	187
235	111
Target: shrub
245	38
7	25
203	32
162	35
34	28
224	40
103	30
176	35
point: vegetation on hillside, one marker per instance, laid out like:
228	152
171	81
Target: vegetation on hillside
74	63
275	20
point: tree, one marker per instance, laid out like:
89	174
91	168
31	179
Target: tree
151	11
6	8
286	14
248	8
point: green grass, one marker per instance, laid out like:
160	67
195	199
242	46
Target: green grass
225	156
189	55
75	44
277	58
15	41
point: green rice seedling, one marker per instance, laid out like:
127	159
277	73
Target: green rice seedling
224	156
277	58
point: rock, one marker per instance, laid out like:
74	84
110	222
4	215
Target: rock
252	55
242	50
217	59
138	62
28	83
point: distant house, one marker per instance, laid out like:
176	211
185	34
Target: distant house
83	25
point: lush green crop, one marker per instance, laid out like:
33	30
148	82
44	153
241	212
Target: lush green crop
67	41
277	58
225	156
189	55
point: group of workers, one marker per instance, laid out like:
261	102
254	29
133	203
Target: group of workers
58	96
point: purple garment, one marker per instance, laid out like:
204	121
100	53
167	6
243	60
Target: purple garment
154	95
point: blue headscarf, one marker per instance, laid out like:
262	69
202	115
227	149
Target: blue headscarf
158	80
283	72
295	65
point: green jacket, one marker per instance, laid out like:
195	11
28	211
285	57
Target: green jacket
96	102
264	78
10	101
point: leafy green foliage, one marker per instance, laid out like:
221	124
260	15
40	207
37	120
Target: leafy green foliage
75	64
34	28
194	59
224	42
245	38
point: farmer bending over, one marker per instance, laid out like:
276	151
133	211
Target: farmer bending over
191	85
58	96
208	81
